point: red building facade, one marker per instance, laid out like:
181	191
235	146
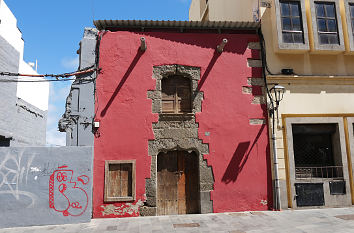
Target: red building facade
182	127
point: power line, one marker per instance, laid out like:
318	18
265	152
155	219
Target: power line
56	76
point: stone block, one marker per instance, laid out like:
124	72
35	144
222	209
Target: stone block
148	211
206	205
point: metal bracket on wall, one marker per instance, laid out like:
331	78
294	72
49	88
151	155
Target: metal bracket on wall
266	4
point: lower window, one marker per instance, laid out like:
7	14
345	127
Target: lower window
119	180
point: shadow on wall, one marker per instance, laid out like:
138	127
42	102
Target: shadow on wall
122	81
208	69
239	159
209	40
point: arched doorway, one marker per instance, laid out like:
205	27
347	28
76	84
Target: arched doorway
178	183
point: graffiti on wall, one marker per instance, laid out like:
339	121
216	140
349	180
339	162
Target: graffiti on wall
66	192
14	172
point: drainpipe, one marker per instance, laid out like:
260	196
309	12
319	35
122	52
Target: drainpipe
276	186
277	203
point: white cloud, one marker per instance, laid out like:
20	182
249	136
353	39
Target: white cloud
55	138
70	63
58	93
56	109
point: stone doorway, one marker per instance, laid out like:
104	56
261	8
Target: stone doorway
177	183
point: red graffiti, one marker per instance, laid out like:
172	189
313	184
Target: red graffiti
64	195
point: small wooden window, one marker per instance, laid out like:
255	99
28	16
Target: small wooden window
119	180
176	95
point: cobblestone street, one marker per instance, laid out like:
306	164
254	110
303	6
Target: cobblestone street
339	220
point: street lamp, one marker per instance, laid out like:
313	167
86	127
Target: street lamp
278	92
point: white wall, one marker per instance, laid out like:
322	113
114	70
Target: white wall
36	94
9	30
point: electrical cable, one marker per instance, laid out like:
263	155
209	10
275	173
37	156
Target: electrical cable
264	69
56	76
97	63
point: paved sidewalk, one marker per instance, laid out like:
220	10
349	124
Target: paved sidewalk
339	220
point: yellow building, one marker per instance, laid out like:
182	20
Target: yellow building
309	51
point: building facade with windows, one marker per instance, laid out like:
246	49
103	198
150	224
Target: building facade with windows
23	106
309	51
176	117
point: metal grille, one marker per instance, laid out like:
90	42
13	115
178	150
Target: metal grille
313	145
332	172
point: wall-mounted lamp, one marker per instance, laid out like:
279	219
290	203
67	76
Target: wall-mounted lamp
278	92
276	95
220	47
143	46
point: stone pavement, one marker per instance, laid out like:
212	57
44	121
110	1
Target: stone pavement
339	220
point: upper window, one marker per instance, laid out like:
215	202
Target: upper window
291	22
291	25
327	27
176	95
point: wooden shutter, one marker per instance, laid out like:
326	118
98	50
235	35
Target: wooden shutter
119	181
176	95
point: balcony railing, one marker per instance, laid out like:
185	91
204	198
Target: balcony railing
329	172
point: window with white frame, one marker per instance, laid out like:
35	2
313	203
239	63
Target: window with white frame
327	27
291	25
291	21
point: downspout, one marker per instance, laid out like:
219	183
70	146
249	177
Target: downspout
276	186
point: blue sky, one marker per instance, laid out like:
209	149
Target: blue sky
52	31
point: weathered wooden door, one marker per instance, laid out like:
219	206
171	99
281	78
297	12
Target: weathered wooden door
177	183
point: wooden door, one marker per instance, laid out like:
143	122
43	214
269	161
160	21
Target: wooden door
177	183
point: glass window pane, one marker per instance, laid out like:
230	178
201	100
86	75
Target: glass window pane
295	11
286	23
297	24
323	38
298	38
332	25
321	24
352	10
285	11
320	9
330	10
287	37
333	39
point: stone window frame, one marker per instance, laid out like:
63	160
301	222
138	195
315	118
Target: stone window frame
106	181
349	28
292	46
327	47
289	121
191	72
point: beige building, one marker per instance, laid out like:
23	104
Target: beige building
309	51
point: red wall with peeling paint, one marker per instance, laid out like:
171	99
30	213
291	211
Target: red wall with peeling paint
239	153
